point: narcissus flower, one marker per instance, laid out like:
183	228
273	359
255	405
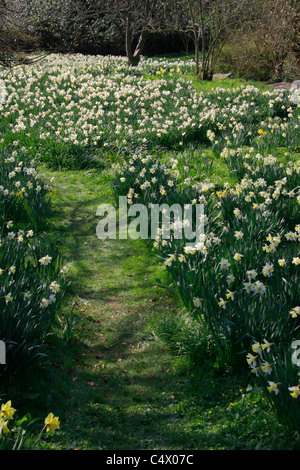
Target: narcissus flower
266	345
273	387
8	298
54	287
294	312
224	263
295	391
45	302
266	368
196	301
268	269
52	422
238	235
3	427
45	260
256	347
222	303
12	270
229	294
7	411
251	359
259	288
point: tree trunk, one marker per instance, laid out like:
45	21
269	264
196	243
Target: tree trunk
139	48
134	57
197	65
205	73
295	23
128	40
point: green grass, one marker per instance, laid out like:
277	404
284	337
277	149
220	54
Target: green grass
116	385
226	83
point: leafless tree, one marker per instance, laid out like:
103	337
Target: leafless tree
268	47
138	19
208	23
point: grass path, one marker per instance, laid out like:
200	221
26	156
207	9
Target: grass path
118	387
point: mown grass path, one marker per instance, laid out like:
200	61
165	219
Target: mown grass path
118	387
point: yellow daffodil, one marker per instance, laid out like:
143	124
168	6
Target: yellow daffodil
7	411
251	359
266	368
295	391
3	427
52	422
273	387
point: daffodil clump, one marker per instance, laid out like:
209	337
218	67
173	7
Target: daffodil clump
23	194
242	274
32	284
279	377
13	432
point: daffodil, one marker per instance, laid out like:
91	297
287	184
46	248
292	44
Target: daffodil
273	387
266	345
256	347
294	391
251	274
238	235
259	288
45	260
224	263
44	302
51	422
7	411
251	359
229	294
196	302
268	269
8	298
294	312
54	287
12	270
266	368
255	370
248	287
222	303
3	427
